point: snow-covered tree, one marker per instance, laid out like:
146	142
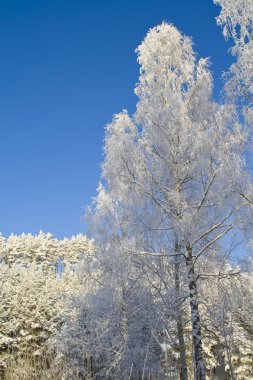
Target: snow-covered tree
227	321
43	249
114	332
237	22
170	170
33	295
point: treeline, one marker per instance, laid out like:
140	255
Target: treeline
42	249
38	275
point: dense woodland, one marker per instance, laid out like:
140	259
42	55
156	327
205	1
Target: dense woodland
163	287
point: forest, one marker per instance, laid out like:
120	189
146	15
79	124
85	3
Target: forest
162	285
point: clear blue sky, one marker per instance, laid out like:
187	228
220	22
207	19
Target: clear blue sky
66	66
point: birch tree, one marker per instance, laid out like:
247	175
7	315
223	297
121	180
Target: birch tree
171	166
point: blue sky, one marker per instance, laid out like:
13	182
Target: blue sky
66	66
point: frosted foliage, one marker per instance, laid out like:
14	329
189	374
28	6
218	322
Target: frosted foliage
167	66
176	154
237	22
239	81
34	290
43	249
114	332
32	307
121	133
227	318
119	325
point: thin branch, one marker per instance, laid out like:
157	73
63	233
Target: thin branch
212	242
244	196
220	224
206	192
143	253
219	275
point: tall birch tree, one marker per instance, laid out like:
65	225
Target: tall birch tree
171	168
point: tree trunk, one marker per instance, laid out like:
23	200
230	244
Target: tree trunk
228	346
195	318
180	331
